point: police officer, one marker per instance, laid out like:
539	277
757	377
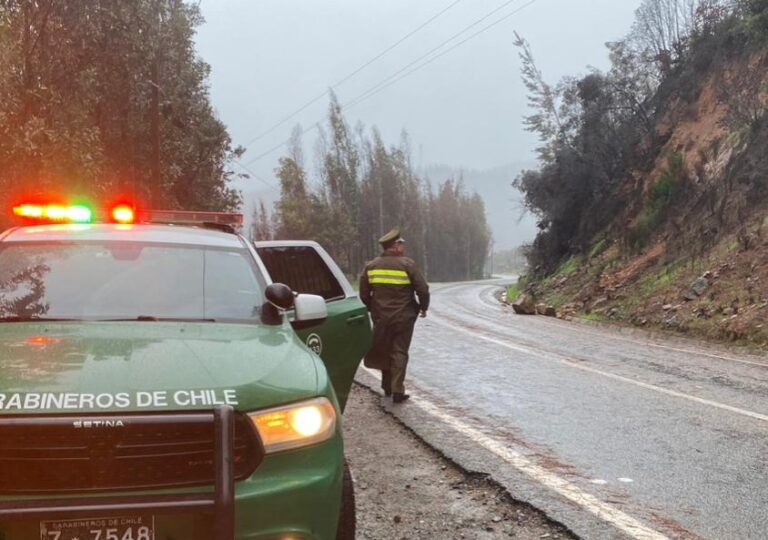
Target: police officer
387	287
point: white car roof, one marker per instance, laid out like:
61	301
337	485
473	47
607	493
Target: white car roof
172	234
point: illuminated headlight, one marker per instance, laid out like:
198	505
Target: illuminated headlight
296	425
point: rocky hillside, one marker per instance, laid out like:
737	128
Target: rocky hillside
686	248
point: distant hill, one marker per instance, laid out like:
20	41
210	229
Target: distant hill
511	227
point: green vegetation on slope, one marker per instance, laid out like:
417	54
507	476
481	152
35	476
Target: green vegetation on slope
650	190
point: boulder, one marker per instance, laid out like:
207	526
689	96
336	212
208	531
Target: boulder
697	288
546	310
524	305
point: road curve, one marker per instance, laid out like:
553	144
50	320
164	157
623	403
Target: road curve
615	435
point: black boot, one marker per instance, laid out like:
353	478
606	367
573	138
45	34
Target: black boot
399	398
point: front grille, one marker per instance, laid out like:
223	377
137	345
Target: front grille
76	454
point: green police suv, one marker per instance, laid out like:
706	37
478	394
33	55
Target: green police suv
158	383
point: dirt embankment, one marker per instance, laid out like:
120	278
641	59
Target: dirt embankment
722	296
406	491
692	255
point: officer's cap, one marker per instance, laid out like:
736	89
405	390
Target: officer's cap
390	238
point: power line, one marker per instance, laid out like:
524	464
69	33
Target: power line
315	126
442	44
349	76
388	81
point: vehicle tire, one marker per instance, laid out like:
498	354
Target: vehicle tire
347	519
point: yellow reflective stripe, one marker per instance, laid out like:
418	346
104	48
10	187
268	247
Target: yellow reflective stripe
396	273
389	281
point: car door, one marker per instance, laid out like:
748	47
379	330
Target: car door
345	336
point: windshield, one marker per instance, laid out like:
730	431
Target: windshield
127	280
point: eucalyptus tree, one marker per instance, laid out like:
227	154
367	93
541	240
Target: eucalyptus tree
103	97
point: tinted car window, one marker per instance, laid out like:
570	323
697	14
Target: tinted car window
302	269
110	280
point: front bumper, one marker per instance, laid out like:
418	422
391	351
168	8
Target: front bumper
293	495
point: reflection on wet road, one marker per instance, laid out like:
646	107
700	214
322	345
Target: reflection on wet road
648	437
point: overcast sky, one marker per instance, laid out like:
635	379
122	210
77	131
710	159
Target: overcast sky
269	57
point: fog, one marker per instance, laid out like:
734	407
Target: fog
463	111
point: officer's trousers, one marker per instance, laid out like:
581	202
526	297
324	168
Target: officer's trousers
393	379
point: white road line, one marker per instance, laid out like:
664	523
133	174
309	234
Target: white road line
565	361
605	512
673	393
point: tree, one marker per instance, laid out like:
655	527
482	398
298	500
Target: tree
363	188
663	29
293	211
261	226
542	98
98	99
342	163
590	127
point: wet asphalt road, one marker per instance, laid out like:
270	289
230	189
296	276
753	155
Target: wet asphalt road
614	434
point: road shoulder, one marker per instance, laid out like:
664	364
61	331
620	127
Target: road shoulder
406	489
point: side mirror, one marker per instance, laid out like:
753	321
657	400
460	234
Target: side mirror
310	308
280	295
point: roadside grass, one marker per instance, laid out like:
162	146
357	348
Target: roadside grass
598	248
663	193
664	278
557	298
595	270
629	304
570	266
513	292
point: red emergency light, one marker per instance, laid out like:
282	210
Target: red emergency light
124	214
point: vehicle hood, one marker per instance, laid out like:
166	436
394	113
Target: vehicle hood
150	366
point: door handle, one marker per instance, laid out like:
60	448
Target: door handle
357	319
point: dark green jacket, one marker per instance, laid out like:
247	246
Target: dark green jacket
387	287
394	290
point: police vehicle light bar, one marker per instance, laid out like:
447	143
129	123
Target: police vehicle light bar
123	213
55	212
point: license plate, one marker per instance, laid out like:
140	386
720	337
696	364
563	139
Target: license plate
100	528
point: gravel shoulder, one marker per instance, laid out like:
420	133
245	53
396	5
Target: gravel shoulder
406	490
